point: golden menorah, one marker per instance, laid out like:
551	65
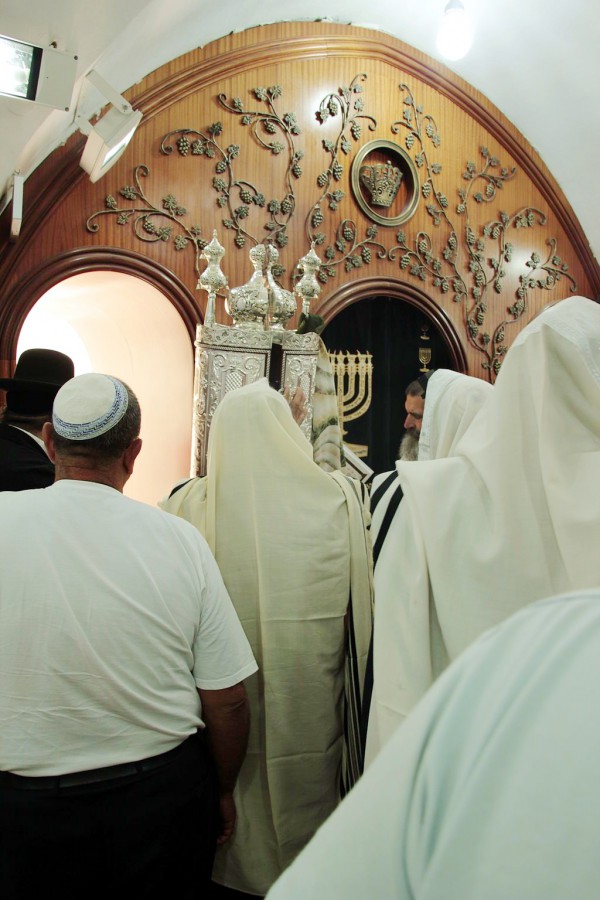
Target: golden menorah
424	358
353	373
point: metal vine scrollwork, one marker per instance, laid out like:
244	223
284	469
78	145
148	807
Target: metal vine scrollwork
346	247
482	271
150	221
239	196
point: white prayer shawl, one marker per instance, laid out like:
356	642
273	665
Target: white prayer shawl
490	790
291	544
452	401
512	518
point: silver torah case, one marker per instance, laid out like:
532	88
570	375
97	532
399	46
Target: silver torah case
256	346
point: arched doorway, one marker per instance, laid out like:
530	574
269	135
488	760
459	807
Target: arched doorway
117	323
393	322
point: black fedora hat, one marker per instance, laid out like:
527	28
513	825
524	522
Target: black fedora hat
39	369
39	374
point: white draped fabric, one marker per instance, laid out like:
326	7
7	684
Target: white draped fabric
490	790
451	404
291	545
513	517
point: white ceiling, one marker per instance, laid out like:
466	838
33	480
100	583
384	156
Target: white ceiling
536	60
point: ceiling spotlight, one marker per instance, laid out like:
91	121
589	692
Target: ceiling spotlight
456	32
109	137
40	74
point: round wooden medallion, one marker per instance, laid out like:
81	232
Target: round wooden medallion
385	183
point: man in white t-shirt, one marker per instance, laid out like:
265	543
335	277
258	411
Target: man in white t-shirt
123	714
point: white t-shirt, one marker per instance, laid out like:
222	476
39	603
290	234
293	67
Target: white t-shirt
112	614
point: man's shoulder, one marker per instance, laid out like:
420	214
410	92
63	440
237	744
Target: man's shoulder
16	443
23	463
190	490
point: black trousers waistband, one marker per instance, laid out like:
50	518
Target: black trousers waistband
91	776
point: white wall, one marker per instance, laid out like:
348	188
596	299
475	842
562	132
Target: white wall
119	324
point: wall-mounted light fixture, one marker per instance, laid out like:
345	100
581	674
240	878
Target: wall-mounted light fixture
17	206
109	137
40	74
455	35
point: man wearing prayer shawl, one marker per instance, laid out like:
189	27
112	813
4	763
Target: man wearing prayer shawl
512	517
453	400
291	543
490	790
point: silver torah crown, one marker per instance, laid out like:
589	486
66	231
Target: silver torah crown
248	305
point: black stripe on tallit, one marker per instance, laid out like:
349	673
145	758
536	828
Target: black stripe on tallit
387	521
179	486
354	758
366	701
381	536
353	747
380	491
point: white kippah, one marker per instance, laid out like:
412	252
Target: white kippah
89	405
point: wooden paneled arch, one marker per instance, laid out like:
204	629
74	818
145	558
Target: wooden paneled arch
80	261
401	291
478	269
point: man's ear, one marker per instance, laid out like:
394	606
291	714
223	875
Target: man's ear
48	438
130	455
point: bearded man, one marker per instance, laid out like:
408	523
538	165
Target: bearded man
414	406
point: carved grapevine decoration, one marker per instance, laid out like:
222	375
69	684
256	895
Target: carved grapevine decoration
152	222
456	257
345	247
480	275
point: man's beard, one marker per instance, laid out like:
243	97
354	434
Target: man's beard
409	447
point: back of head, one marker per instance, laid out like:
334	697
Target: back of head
418	387
38	375
253	431
546	398
453	400
95	417
262	484
576	319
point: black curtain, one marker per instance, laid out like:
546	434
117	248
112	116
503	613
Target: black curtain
391	330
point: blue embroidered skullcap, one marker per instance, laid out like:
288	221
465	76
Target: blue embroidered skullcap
88	406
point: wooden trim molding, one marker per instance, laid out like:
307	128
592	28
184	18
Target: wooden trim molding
77	262
400	290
